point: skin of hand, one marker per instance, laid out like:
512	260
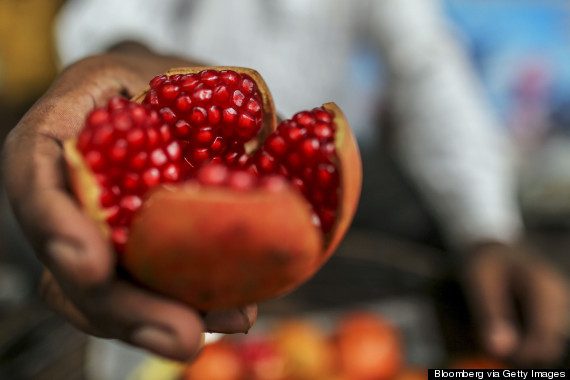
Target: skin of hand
80	282
496	275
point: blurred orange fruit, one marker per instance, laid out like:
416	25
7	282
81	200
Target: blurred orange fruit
262	359
369	347
217	361
307	349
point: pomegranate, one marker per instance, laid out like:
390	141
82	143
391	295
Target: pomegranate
205	199
217	361
369	347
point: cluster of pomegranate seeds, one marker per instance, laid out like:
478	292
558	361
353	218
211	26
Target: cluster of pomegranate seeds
213	113
131	149
302	149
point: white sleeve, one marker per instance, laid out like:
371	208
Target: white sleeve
447	137
86	27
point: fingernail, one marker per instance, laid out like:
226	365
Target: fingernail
158	340
501	339
231	321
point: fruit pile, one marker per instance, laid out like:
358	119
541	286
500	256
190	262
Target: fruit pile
362	346
204	197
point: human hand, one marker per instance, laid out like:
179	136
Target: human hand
495	276
81	282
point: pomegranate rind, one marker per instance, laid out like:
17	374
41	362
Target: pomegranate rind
350	167
84	185
221	248
269	123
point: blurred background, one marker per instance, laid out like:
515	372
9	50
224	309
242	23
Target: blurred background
521	53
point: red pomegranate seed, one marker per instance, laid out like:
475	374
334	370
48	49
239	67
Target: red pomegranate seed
168	115
171	173
238	98
326	176
304	118
292	133
119	150
131	203
151	177
322	115
131	183
158	157
109	196
152	98
218	146
201	94
200	155
182	130
198	116
230	116
139	161
265	163
104	134
230	77
253	106
153	138
323	131
168	92
214	115
122	121
210	77
247	85
98	116
158	80
173	151
136	138
188	82
309	148
183	104
204	136
222	94
117	104
247	128
275	145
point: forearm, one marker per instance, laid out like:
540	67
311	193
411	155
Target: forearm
448	139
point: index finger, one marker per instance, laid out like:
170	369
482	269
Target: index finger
548	306
491	297
65	239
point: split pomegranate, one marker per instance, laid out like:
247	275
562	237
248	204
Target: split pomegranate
204	198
